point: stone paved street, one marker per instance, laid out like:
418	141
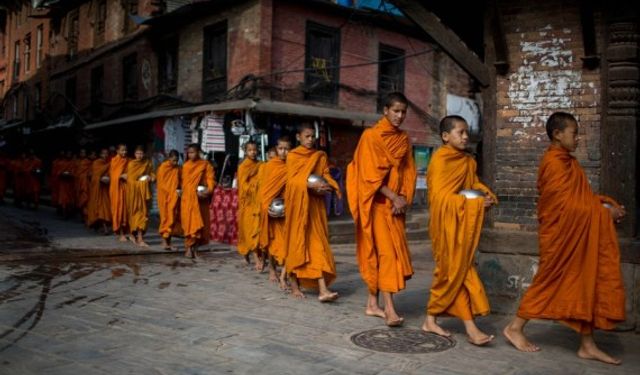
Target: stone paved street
164	314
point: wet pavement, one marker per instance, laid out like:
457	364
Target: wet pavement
150	312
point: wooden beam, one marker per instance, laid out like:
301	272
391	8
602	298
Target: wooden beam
445	38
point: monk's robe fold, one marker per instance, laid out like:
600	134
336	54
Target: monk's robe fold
248	205
272	184
308	255
117	192
578	281
383	158
19	179
194	211
66	184
31	179
454	226
99	207
4	172
82	169
138	195
168	182
54	181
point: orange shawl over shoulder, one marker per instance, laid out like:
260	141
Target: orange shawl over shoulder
168	182
274	179
32	180
194	211
579	280
454	228
117	192
54	181
307	234
248	205
81	172
138	193
99	208
66	184
383	158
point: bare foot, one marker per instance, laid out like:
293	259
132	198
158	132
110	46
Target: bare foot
283	285
516	338
375	311
598	355
328	297
273	277
435	328
245	260
297	293
259	265
188	253
194	252
480	339
142	244
395	322
122	238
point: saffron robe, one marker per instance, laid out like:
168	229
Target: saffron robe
99	207
272	184
194	211
168	182
248	206
117	193
138	194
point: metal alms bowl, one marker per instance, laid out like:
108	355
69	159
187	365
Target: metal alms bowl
607	205
144	178
105	179
201	189
314	179
276	208
472	193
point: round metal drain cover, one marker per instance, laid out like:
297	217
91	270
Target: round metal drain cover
402	341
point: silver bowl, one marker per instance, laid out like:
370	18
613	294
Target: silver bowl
144	178
66	174
314	179
105	179
472	193
37	171
123	176
201	189
607	205
179	192
276	208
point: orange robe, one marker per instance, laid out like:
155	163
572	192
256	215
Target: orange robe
194	211
81	172
454	228
168	183
117	193
138	195
248	206
4	175
31	179
273	181
308	256
383	158
578	281
66	184
54	181
99	207
19	179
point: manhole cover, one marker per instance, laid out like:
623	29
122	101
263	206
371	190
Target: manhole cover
402	341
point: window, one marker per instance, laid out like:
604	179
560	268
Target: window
99	25
214	70
70	87
97	85
39	44
130	77
72	37
27	53
37	96
168	66
390	72
322	51
16	61
130	9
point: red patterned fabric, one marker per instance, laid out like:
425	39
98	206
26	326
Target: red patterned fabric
223	209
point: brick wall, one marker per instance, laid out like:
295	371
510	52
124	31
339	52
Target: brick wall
545	75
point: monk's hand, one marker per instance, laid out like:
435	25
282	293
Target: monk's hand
399	205
617	213
488	201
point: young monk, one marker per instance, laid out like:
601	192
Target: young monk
309	260
54	181
138	195
579	281
81	173
17	174
249	205
194	205
454	228
66	185
99	208
32	169
381	181
168	176
117	192
271	239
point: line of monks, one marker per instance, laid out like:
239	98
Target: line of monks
578	282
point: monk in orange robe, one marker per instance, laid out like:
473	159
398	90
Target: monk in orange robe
99	208
138	195
271	238
54	181
19	179
249	205
31	172
309	260
81	172
4	175
66	185
578	281
381	181
118	192
454	228
168	176
194	202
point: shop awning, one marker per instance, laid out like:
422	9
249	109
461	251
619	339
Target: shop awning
265	106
